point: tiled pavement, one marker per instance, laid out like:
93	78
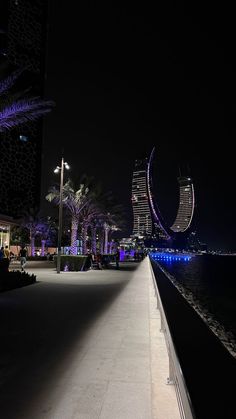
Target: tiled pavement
118	368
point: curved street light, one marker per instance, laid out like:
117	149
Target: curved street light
57	170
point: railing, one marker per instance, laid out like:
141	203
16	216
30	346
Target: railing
201	368
175	373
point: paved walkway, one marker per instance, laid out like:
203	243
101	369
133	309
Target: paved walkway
92	348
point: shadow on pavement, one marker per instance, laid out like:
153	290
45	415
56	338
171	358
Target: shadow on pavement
39	328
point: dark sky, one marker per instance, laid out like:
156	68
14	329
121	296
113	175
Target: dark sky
126	79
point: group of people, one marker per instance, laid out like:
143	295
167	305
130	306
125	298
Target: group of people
6	254
102	261
95	260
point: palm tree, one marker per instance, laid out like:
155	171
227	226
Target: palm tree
15	110
46	229
113	219
32	221
92	215
88	214
95	225
109	217
19	236
74	201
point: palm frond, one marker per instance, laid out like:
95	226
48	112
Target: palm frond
53	195
50	197
23	111
9	81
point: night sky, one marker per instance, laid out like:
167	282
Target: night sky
126	79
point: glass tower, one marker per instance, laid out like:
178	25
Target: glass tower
148	222
142	226
186	205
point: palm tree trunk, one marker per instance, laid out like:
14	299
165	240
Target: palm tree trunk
32	246
43	247
94	240
106	231
84	239
74	230
101	240
109	246
110	242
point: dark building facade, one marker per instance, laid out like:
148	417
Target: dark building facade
23	44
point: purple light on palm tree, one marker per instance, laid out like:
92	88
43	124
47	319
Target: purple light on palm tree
15	111
23	111
7	83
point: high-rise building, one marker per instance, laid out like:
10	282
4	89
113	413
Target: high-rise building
160	230
142	226
23	45
186	205
147	220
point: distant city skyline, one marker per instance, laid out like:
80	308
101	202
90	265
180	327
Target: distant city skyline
133	79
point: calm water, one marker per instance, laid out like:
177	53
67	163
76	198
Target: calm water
212	281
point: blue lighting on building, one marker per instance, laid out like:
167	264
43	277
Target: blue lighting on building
167	257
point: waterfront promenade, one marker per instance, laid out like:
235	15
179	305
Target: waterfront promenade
84	345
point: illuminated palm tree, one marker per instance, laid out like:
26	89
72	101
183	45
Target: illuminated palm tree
109	218
113	220
95	225
89	215
74	200
46	231
32	222
15	110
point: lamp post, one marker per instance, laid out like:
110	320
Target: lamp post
58	168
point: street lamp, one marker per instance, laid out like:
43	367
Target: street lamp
57	170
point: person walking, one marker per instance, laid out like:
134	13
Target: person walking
99	260
6	257
1	253
23	255
89	261
117	259
7	253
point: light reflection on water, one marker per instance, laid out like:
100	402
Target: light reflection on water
168	257
212	282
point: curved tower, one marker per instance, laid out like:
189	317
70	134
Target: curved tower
147	218
148	222
142	225
160	231
186	205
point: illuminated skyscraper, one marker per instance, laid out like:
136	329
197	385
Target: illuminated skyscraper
159	231
186	205
148	222
142	226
